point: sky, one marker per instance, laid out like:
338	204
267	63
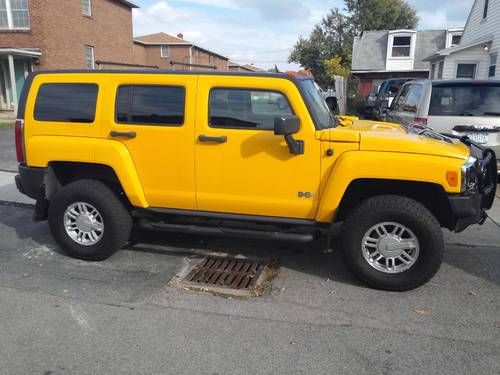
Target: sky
263	32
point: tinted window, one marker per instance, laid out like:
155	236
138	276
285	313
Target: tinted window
412	99
246	109
150	105
66	102
470	100
400	98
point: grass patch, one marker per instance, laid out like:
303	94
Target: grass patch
7	125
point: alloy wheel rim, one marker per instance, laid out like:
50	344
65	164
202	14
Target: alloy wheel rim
390	247
83	223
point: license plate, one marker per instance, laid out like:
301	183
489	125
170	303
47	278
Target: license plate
477	137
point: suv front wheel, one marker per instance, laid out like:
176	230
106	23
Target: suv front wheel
88	221
392	242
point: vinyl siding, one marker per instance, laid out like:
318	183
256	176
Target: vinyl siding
476	55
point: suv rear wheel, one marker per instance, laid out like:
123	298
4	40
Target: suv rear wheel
88	221
392	243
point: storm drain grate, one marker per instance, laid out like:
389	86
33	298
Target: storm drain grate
229	276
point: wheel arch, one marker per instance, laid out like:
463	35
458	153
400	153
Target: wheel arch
431	195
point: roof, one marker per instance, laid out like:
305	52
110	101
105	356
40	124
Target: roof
460	47
369	52
170	40
127	3
160	38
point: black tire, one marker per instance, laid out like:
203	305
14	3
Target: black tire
115	216
404	211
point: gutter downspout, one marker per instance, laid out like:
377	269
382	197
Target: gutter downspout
191	57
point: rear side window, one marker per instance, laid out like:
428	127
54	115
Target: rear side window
412	99
467	100
246	109
66	102
151	105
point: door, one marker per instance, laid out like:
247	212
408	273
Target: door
149	115
241	166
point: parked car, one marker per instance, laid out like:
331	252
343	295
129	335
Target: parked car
370	105
220	153
386	93
460	107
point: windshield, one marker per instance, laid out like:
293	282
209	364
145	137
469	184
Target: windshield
466	100
317	105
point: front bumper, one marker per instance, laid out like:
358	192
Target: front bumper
30	180
470	207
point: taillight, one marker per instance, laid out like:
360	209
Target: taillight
421	120
19	130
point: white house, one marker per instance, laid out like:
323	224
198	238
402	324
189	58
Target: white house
476	55
382	54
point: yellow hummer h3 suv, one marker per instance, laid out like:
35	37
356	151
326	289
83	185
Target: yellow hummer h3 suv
252	155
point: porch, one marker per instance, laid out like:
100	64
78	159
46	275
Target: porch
15	65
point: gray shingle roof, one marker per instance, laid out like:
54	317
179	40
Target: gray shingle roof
369	51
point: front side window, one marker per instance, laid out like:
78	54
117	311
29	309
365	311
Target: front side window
401	46
465	100
320	111
246	109
164	51
89	57
466	71
14	14
150	105
492	71
66	102
87	7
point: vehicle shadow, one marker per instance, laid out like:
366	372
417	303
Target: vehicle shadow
309	258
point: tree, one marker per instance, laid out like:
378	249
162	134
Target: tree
333	67
381	15
334	35
331	37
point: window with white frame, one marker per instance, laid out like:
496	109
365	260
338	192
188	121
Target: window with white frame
87	8
492	71
401	46
433	71
165	50
14	14
89	57
466	71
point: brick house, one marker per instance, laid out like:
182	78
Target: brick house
58	34
173	52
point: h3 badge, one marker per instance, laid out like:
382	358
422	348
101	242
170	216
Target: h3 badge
305	194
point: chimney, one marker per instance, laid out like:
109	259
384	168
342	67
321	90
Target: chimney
180	36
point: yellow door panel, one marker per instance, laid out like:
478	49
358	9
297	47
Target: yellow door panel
253	172
163	154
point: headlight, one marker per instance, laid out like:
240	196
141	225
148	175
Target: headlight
470	180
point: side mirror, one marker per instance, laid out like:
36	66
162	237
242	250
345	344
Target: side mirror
286	126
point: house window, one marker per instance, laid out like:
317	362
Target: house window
440	70
493	65
210	59
401	46
433	71
87	8
466	71
485	10
14	14
165	51
455	40
89	57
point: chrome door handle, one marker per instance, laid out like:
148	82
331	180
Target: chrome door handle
206	138
117	134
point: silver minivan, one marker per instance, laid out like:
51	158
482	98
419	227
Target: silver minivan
460	107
